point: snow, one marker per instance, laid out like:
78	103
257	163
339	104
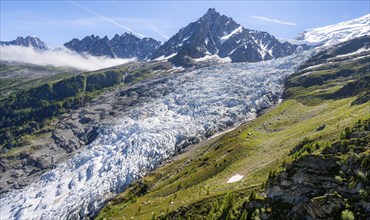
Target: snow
187	106
264	48
165	58
213	58
359	54
340	32
227	36
186	38
361	50
235	178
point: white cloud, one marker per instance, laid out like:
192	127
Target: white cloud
60	57
276	21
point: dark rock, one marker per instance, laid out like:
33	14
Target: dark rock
321	186
29	41
215	34
321	127
323	207
124	46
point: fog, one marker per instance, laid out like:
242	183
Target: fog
60	57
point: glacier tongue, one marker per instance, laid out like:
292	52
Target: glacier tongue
185	109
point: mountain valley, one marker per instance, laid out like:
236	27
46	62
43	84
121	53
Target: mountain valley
218	122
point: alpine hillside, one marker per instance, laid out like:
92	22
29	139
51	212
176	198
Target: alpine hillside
29	41
125	46
306	158
218	35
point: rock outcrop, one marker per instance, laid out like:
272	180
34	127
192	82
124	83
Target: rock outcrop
323	181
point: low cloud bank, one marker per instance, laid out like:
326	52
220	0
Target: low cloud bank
61	57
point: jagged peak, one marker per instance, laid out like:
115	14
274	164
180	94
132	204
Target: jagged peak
28	37
28	41
212	11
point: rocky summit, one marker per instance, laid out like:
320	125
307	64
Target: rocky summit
216	34
125	46
29	41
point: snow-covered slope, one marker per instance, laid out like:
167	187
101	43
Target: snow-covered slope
171	113
336	33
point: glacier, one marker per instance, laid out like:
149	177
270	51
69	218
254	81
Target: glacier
336	33
178	110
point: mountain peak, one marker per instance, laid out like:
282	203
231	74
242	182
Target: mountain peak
29	41
211	15
218	36
211	11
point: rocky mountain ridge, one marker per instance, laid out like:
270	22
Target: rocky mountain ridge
216	34
29	41
126	45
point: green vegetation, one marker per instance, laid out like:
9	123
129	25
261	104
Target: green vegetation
194	185
343	162
31	109
15	78
315	86
347	215
196	181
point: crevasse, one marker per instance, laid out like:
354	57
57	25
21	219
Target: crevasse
187	108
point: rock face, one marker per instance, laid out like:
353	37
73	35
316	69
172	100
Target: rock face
124	46
215	34
29	41
322	185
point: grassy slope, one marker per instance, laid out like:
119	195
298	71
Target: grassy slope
32	109
205	175
15	78
194	181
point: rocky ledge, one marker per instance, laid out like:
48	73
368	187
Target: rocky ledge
324	181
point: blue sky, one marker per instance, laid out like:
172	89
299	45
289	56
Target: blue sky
57	22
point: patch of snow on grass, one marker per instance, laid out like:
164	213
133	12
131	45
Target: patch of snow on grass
235	178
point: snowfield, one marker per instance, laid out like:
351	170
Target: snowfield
333	34
177	111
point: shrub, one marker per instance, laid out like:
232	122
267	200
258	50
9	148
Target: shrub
347	215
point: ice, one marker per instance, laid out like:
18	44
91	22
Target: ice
340	32
213	58
187	107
